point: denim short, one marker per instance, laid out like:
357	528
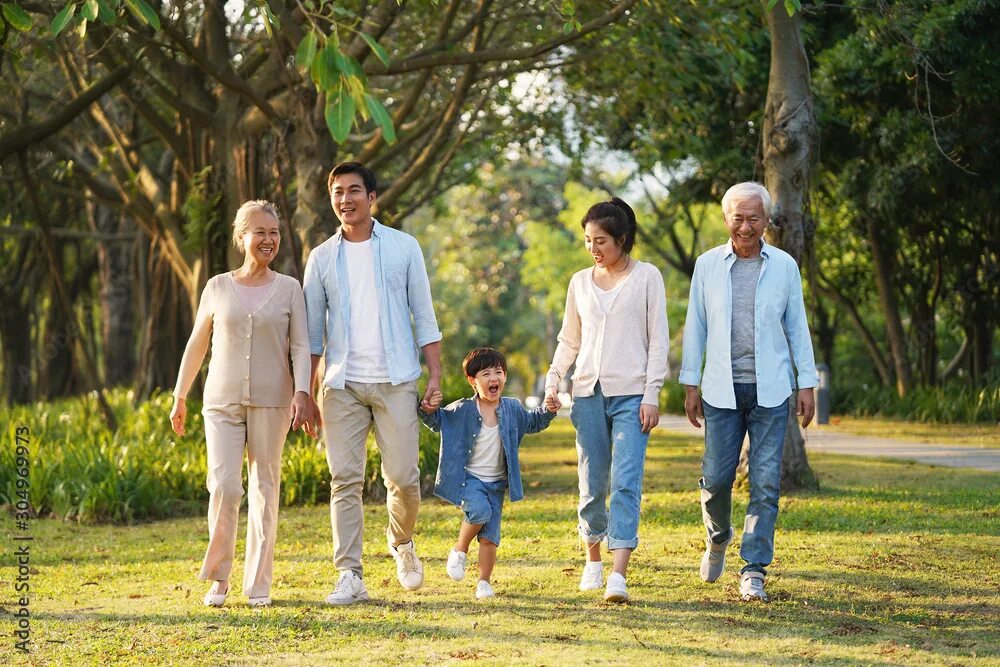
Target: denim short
482	503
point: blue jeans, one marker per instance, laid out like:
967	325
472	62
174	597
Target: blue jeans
482	503
724	433
611	451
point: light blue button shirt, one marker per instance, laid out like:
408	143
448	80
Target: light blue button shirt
403	290
781	333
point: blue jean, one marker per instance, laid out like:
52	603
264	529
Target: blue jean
611	452
482	503
724	433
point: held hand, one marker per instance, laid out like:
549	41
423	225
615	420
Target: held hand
552	402
177	415
302	412
692	406
433	387
806	405
649	417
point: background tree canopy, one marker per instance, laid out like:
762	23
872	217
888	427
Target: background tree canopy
134	129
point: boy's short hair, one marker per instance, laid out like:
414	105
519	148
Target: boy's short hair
482	358
367	175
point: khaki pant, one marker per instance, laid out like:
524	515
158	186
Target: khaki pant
348	415
261	431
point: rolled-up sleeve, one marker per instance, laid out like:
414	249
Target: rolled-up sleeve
315	303
797	328
298	341
418	292
569	340
695	330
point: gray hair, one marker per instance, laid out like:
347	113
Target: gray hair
241	223
746	190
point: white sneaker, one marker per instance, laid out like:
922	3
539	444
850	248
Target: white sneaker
409	569
713	561
349	589
616	591
593	576
752	587
456	565
263	601
213	598
484	590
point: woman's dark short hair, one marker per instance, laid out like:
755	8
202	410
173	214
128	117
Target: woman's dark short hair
482	358
616	218
367	175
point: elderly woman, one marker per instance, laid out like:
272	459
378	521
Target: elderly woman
747	319
255	320
615	331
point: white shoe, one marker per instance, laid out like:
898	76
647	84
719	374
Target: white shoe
259	602
349	589
484	590
409	569
752	587
456	565
616	591
213	598
593	576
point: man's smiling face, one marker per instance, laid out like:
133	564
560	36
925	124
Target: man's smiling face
351	203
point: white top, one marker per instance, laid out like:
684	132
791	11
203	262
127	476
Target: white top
366	353
487	460
250	296
607	297
624	348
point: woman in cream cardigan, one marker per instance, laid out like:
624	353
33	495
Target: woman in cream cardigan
255	320
615	330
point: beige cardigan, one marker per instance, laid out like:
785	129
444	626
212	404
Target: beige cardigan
250	350
626	349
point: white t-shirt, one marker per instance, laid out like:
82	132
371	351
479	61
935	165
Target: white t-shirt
607	297
487	461
366	354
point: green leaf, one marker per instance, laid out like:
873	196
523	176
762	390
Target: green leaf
325	71
106	15
771	4
792	6
17	17
89	10
568	27
307	51
62	18
382	117
144	12
351	67
340	115
376	48
270	20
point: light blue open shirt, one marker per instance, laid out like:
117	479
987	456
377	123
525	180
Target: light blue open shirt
779	328
403	289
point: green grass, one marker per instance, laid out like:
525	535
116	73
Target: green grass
968	435
889	563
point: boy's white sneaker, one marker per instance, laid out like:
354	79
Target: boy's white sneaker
616	591
484	590
456	565
409	569
593	576
349	589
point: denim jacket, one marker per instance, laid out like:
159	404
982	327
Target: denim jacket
459	424
403	290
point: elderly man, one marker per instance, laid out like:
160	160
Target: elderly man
746	316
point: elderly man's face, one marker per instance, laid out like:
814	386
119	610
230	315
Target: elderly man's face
746	223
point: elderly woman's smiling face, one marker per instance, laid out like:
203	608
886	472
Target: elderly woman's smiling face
746	223
262	237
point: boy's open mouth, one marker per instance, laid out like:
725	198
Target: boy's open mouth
493	389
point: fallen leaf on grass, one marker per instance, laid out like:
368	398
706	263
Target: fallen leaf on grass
472	654
562	638
135	596
89	583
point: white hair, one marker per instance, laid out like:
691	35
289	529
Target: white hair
746	190
241	223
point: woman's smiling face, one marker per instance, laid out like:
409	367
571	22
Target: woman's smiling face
262	238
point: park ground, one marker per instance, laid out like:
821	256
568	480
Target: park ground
889	563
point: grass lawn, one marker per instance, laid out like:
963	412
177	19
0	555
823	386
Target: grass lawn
890	563
969	435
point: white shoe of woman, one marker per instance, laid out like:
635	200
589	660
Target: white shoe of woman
214	598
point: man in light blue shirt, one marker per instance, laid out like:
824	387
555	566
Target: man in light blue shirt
362	287
747	319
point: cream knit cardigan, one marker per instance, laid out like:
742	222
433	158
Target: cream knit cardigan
625	349
254	353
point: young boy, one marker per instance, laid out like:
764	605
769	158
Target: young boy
480	438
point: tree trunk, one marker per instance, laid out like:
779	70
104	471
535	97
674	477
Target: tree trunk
115	272
789	140
882	263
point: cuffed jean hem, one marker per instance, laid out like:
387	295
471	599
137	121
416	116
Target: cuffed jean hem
749	567
591	539
614	543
